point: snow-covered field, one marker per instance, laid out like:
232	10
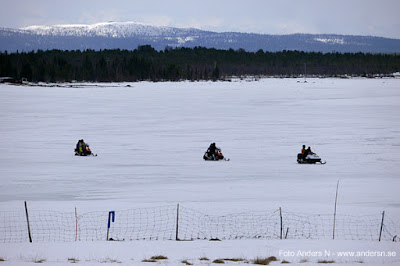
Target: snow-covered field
150	139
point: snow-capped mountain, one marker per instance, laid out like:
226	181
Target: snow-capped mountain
108	29
128	35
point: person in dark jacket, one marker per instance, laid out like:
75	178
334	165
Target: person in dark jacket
212	148
308	151
211	153
79	147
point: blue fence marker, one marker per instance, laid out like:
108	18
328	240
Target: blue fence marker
111	215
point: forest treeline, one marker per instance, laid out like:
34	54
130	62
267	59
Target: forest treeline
146	63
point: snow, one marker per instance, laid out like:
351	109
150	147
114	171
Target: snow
331	40
150	138
186	39
109	29
133	253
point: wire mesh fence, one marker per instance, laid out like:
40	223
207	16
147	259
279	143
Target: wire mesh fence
157	223
347	227
180	223
196	225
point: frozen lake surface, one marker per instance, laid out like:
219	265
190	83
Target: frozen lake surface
150	139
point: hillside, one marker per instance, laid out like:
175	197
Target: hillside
128	35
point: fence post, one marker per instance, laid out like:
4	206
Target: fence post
177	223
76	225
380	233
111	213
27	220
287	231
334	215
280	213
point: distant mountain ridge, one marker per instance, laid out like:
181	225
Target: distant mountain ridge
109	29
128	35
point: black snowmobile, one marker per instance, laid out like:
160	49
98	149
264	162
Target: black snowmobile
311	158
214	153
83	149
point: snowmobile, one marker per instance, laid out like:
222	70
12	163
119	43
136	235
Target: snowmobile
311	158
85	151
216	156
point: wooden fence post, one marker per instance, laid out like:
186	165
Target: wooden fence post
334	215
27	221
380	233
280	213
177	223
76	225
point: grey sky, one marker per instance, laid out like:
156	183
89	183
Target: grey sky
356	17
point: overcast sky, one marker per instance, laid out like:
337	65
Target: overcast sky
355	17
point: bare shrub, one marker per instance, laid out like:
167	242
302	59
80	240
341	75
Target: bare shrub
235	259
39	260
159	257
73	260
149	260
326	261
186	262
109	260
264	261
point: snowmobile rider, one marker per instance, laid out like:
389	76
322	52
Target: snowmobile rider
303	152
211	152
79	146
308	151
82	148
212	148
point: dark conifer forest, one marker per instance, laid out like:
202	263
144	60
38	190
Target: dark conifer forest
173	64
